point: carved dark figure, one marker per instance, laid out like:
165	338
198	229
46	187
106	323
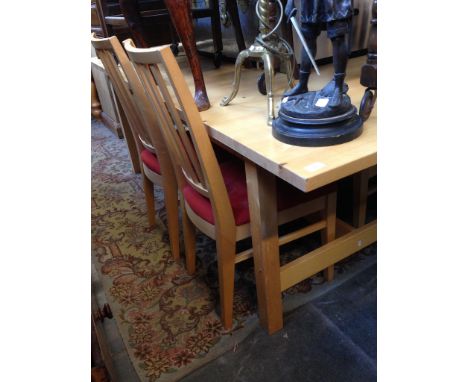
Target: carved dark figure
325	117
334	17
369	69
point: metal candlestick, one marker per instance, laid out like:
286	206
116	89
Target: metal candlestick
267	45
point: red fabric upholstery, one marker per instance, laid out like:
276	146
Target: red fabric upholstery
150	160
234	177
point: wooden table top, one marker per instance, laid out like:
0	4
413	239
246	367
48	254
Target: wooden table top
242	126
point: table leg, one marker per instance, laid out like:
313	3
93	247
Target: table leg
261	186
360	188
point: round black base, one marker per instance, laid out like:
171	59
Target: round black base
317	135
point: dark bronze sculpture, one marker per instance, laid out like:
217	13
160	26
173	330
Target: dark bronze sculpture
369	70
323	117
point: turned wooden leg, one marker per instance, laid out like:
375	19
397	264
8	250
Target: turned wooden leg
181	16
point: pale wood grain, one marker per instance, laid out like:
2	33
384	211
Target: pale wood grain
242	127
313	262
261	187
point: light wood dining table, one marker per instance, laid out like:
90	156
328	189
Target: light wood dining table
242	128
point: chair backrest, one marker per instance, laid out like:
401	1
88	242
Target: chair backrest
120	71
181	125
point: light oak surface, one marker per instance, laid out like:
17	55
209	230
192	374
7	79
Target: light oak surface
242	127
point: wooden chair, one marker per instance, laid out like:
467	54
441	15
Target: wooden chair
154	157
213	195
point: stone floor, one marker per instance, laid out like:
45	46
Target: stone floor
332	338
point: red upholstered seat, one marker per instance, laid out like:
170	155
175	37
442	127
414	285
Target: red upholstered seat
150	160
234	177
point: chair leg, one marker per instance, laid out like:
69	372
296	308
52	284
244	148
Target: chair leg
172	208
189	240
148	187
226	250
329	233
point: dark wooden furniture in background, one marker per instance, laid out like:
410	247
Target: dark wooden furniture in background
98	24
182	19
95	104
96	27
108	111
102	369
142	20
369	69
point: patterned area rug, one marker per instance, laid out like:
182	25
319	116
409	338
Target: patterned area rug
169	320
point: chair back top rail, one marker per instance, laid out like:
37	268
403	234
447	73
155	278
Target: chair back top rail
120	70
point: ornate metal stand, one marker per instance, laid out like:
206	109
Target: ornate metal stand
267	45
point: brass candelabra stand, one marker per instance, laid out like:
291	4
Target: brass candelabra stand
268	44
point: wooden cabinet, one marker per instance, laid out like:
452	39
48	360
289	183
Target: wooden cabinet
109	114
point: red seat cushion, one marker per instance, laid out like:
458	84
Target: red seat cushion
151	161
234	177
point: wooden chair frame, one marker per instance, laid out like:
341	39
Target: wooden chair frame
197	165
145	130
